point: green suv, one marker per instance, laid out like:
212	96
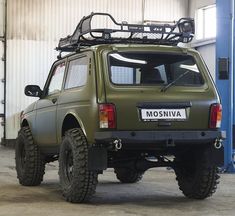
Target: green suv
125	98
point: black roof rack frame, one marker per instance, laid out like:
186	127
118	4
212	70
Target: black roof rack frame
163	34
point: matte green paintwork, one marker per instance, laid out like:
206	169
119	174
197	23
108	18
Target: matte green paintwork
46	119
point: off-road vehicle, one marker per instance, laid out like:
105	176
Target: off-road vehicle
127	98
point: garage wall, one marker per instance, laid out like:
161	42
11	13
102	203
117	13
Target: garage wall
2	18
208	54
207	50
165	10
34	28
196	4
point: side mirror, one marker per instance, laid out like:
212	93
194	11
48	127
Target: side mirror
33	91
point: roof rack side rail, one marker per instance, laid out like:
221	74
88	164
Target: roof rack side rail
164	34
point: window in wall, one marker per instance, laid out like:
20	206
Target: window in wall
206	22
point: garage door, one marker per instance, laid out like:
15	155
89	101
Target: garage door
1	89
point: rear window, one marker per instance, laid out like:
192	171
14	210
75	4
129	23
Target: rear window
153	69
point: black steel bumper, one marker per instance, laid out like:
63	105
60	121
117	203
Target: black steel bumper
168	138
153	140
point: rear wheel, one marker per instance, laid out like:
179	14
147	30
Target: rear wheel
197	177
77	182
30	165
126	175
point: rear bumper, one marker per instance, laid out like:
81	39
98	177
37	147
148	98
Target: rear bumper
165	138
165	141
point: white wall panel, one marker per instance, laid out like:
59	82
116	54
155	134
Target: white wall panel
208	50
196	4
165	10
2	16
208	54
28	63
126	10
34	28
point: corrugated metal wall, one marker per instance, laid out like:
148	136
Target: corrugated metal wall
165	10
34	28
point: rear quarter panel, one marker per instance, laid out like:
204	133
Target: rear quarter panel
81	102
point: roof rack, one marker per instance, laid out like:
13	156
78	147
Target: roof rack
164	34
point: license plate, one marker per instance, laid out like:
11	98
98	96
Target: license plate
163	114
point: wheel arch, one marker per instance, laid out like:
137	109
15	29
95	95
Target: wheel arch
24	123
71	120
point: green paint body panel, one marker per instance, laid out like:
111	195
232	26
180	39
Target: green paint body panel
46	119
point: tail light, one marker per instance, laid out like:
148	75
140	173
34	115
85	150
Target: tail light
215	116
107	114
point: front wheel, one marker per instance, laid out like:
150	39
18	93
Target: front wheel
30	164
197	177
77	182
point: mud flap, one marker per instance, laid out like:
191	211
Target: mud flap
97	159
216	156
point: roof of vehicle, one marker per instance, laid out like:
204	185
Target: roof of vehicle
133	47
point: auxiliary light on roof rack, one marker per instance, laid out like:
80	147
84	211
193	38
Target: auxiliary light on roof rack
163	34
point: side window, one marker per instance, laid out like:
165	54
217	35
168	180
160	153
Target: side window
122	75
56	79
77	73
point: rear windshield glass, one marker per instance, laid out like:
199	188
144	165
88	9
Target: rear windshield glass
153	69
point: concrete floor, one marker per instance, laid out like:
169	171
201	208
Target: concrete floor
156	194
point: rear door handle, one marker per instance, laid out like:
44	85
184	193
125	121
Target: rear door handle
54	100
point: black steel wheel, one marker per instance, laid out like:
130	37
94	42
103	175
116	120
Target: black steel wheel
30	164
77	182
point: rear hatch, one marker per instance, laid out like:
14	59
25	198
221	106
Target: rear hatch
157	89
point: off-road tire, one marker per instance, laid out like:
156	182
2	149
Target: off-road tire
197	177
30	165
126	175
77	182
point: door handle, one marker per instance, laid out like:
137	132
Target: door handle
54	100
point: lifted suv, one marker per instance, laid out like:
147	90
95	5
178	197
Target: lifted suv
125	102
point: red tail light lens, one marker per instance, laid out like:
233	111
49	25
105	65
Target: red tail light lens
107	116
215	116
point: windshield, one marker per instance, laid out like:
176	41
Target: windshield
153	69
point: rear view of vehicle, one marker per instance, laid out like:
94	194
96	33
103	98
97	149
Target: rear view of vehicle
159	89
151	104
163	103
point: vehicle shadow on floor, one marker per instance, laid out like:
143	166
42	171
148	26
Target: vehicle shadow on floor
108	193
116	193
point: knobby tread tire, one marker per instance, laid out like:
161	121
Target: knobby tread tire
125	175
204	181
31	173
82	186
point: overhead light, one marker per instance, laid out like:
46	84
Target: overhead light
122	58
